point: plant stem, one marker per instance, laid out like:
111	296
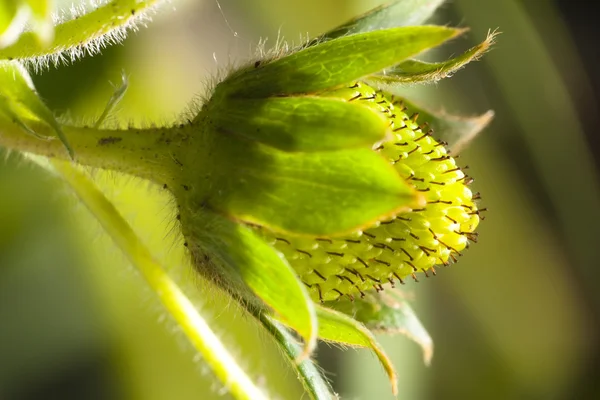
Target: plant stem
197	330
146	153
88	33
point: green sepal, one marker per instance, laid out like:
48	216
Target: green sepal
415	71
388	313
237	254
394	14
334	63
456	131
340	328
20	101
303	124
308	372
317	194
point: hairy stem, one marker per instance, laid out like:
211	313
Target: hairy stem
146	153
87	33
196	329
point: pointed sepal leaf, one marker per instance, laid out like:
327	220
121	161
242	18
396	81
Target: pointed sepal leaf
415	71
303	124
456	131
395	14
308	372
388	313
241	255
335	62
340	328
20	101
318	194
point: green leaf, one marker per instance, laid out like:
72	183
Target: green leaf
318	194
243	256
87	33
457	131
395	14
309	374
191	323
388	312
20	100
340	328
13	16
302	123
335	62
414	71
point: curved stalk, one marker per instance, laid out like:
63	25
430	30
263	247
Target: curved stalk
197	330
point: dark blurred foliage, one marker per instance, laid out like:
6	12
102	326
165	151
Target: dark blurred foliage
583	27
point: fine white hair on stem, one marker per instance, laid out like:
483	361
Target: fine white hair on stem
70	54
90	37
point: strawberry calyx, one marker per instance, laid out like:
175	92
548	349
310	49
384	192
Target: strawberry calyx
412	242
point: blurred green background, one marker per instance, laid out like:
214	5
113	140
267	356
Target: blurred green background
517	318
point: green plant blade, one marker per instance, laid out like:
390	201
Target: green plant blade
244	256
85	34
395	14
309	374
388	312
318	194
197	330
414	71
21	101
304	124
340	328
335	62
457	131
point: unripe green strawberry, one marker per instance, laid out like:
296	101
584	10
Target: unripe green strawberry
412	242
